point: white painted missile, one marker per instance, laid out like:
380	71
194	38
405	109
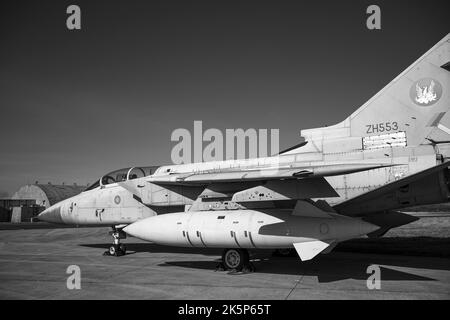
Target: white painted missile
310	231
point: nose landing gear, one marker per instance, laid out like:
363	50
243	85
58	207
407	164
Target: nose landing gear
116	249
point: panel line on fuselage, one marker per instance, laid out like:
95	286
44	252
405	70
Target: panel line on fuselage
189	239
235	239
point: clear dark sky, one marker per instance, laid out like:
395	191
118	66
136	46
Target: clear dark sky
77	104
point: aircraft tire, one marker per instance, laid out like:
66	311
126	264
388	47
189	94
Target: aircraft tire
112	250
235	259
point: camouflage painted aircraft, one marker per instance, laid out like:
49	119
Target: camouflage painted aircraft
343	181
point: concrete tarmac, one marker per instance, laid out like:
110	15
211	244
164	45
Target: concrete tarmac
33	265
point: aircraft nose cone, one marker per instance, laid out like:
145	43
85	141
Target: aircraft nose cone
52	214
141	229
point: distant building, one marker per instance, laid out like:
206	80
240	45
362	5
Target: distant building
32	199
47	195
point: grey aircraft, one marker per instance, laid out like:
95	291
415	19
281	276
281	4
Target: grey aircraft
344	181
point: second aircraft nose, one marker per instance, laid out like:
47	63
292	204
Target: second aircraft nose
52	214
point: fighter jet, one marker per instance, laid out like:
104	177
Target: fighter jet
344	181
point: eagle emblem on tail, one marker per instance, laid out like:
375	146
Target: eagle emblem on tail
425	94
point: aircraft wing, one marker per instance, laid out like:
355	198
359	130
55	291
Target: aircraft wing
263	174
399	193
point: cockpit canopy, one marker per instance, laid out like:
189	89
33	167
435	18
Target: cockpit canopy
123	175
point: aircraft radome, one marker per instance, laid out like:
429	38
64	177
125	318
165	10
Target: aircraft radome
344	181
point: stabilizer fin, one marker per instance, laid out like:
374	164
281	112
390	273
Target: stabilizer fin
416	103
308	250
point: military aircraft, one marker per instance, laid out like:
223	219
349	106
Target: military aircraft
343	181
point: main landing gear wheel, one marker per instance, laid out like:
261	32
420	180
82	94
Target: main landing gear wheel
116	249
237	260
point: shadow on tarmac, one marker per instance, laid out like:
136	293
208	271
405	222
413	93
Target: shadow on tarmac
338	265
329	269
133	248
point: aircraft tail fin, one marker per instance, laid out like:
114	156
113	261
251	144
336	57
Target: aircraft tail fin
411	110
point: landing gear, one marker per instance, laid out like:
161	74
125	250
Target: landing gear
116	249
236	260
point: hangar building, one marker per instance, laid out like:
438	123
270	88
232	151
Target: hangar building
47	195
32	199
